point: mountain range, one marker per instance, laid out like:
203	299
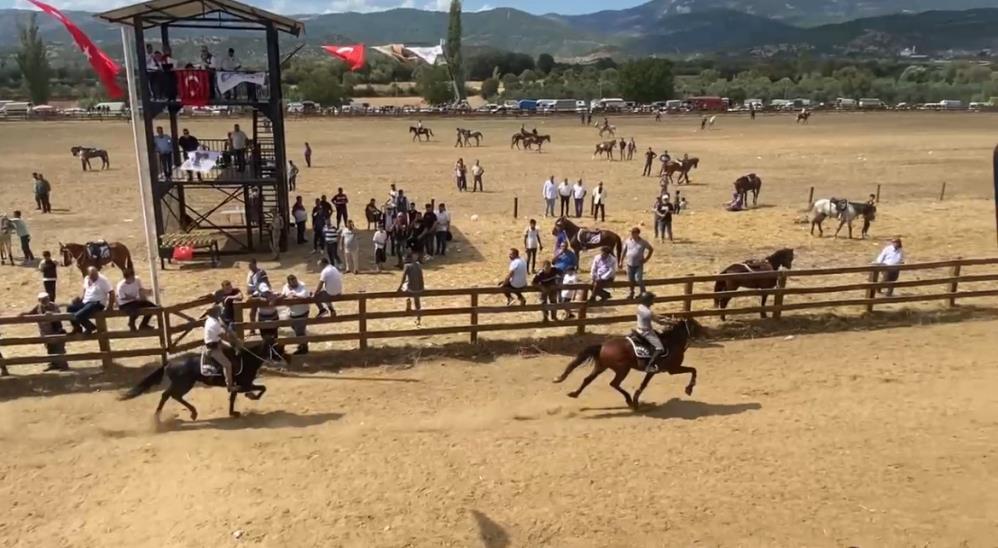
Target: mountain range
658	27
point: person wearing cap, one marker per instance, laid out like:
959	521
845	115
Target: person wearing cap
891	256
216	335
46	328
267	310
646	318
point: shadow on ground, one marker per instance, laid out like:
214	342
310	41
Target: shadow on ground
490	533
678	409
252	421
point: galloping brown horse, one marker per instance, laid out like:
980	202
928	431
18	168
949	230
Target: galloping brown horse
581	239
749	183
78	253
539	140
617	354
782	258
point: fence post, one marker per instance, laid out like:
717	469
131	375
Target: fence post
942	192
516	206
237	318
878	193
872	292
687	291
102	340
582	312
362	321
953	286
474	317
164	333
810	197
781	284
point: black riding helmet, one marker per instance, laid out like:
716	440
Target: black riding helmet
646	298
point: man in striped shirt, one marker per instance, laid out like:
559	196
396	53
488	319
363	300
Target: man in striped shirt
332	238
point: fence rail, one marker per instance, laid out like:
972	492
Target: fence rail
177	326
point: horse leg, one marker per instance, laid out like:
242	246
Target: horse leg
755	197
259	388
180	398
599	368
676	370
232	405
763	311
849	222
641	388
162	401
615	383
837	230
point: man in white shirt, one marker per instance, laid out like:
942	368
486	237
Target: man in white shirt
132	298
645	327
380	240
565	193
98	295
579	195
215	336
892	255
230	62
476	177
443	229
550	193
603	271
351	248
239	141
297	313
599	202
516	279
532	243
330	285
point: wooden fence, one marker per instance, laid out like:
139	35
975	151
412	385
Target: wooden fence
363	317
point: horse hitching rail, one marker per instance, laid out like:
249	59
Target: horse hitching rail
177	324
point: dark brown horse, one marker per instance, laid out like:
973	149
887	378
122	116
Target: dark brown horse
83	256
581	239
419	132
783	258
605	148
803	116
686	165
539	140
85	154
749	183
617	354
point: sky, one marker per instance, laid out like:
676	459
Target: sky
290	7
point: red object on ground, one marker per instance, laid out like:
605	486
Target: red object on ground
183	253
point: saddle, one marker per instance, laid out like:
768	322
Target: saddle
642	349
98	250
590	237
756	265
211	368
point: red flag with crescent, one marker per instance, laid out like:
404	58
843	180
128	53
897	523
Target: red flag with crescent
351	55
193	87
105	67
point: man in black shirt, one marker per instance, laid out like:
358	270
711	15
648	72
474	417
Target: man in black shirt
548	280
319	219
189	144
328	207
340	202
50	273
664	214
225	297
649	160
427	230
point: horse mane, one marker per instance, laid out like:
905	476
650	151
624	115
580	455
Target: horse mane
779	253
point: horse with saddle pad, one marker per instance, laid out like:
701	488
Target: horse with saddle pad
621	354
194	368
419	132
85	154
605	148
749	183
98	254
464	137
783	258
845	211
581	239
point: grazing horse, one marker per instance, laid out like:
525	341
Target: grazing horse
803	116
686	165
6	232
419	132
581	239
749	183
85	154
617	353
605	148
782	258
90	254
539	140
187	372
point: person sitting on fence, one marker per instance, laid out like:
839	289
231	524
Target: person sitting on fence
603	271
47	328
225	298
98	295
330	285
132	298
216	335
892	255
297	313
548	280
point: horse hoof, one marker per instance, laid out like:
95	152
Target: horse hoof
558	380
689	390
235	414
194	416
573	394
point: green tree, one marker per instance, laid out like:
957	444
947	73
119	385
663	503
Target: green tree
323	86
33	63
545	63
490	88
646	80
434	85
453	46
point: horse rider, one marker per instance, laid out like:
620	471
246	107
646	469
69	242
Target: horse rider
646	318
216	337
419	124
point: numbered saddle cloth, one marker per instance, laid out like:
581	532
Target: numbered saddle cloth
99	250
211	368
590	237
642	349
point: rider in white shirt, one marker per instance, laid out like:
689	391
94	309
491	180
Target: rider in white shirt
215	337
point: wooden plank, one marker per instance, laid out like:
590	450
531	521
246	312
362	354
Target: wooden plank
87	356
687	291
102	341
474	318
781	285
954	286
69	337
362	323
583	311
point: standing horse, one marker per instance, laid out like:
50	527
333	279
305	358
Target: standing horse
118	255
803	116
617	353
605	148
686	165
85	154
419	132
539	140
782	258
821	210
6	233
581	239
749	183
187	372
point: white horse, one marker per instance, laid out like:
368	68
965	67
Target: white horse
845	211
6	232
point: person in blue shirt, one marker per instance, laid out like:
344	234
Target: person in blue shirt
164	149
560	238
565	258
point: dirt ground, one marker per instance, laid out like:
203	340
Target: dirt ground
875	438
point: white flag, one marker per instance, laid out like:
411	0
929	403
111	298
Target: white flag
229	80
430	55
201	161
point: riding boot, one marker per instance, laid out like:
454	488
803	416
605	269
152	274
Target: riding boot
652	366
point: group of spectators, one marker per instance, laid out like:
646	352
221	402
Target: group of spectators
237	145
568	194
461	176
160	67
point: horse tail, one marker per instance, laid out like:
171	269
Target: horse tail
153	379
590	353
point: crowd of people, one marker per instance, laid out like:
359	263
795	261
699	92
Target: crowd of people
161	71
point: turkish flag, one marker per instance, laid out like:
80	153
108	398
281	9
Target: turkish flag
193	87
351	55
105	67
